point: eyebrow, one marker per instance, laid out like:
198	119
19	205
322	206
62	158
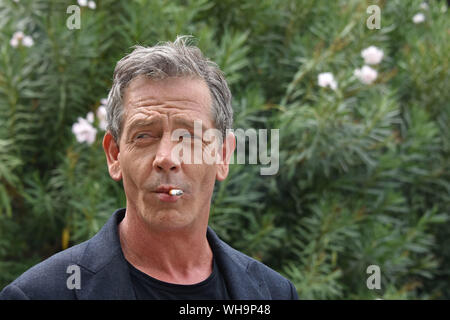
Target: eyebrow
141	123
188	123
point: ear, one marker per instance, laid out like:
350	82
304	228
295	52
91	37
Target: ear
112	156
227	149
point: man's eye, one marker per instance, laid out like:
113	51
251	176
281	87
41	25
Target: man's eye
189	137
142	136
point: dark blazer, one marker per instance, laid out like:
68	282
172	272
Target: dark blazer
104	273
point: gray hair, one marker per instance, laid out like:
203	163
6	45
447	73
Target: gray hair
169	59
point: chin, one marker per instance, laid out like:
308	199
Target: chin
168	220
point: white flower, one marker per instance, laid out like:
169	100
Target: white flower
101	115
424	6
372	55
92	5
444	8
14	42
90	117
84	131
326	79
104	101
83	3
366	74
27	41
20	38
418	18
19	35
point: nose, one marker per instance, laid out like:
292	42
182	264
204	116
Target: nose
164	160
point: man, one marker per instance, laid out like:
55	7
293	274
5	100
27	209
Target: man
160	245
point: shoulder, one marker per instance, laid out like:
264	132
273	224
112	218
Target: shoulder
269	281
47	279
280	288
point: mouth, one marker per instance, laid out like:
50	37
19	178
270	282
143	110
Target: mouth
169	193
169	189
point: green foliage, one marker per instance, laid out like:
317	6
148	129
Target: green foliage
364	175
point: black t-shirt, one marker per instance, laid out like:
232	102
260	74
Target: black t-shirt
148	288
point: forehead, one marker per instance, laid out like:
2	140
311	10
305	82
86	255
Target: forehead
187	98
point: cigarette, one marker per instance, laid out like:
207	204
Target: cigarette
175	192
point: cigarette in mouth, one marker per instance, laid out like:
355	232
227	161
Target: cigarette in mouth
175	192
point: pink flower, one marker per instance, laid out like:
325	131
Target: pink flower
27	41
101	116
366	74
92	5
424	6
418	18
14	42
326	79
84	131
19	38
372	55
90	117
16	39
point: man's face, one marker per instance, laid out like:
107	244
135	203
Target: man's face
153	109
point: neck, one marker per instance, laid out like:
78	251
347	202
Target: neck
181	256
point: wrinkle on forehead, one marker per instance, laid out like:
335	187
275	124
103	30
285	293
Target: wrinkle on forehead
186	97
167	112
142	90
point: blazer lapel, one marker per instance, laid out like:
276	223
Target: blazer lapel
104	271
241	273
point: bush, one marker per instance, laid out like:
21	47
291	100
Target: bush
364	157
